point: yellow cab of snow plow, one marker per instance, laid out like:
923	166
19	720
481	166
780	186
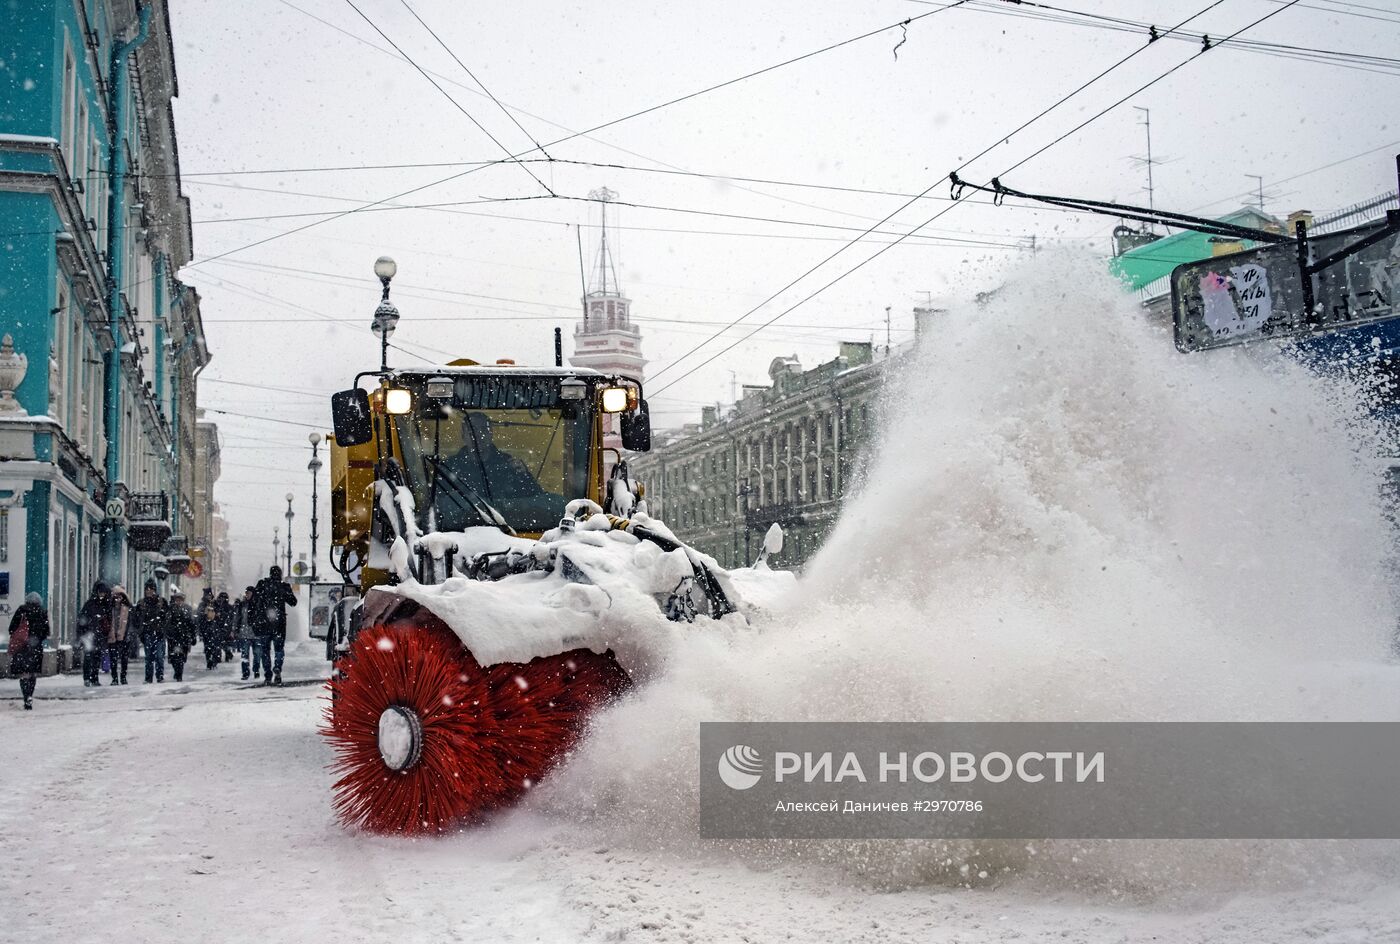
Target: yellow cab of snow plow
466	445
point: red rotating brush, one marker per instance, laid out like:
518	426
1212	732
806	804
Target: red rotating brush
425	737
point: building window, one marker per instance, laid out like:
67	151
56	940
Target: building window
69	93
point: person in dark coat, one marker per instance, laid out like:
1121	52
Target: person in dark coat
270	599
207	627
29	627
94	623
117	628
148	625
180	633
223	612
243	631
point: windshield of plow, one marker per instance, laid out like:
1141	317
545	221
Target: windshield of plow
473	464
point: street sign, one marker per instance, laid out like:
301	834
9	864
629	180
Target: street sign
324	598
1258	293
116	509
300	568
195	569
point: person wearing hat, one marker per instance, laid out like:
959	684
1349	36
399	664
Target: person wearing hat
148	624
272	595
223	614
180	633
29	627
94	622
117	628
243	630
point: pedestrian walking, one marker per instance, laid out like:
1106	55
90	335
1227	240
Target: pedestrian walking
117	628
148	624
270	599
223	612
180	633
243	630
206	624
94	621
29	627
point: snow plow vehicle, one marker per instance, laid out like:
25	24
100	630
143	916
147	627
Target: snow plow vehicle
512	582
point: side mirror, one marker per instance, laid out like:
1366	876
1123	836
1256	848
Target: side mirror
772	544
773	540
350	417
636	428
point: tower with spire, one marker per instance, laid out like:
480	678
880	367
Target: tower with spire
605	339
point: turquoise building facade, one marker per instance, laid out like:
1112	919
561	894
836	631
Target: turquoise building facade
101	341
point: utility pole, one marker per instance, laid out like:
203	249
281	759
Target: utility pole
889	345
276	545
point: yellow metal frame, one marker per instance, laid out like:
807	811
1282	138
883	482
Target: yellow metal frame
352	482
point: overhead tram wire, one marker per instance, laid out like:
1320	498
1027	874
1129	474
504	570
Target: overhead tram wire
238	287
553	124
265	419
447	95
947	209
1099	114
558	312
661	208
988	149
1026	9
569	137
448	49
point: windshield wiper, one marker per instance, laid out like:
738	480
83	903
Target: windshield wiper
487	512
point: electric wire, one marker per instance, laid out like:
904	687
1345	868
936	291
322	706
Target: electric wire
448	95
432	32
607	124
996	143
1142	88
940	213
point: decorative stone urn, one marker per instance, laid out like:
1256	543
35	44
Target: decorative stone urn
13	366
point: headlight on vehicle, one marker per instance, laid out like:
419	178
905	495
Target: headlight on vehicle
440	388
614	399
397	401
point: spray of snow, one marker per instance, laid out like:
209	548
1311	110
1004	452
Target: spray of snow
1066	520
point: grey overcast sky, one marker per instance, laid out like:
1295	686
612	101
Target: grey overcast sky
278	97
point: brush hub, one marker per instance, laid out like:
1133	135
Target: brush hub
400	737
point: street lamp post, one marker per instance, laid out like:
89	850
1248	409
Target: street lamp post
745	491
386	316
314	466
288	571
276	544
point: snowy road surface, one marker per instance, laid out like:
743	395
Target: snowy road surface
199	812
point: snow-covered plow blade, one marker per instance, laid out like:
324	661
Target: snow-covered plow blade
456	697
426	737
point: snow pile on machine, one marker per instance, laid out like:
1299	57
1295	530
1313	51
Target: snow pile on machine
460	695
